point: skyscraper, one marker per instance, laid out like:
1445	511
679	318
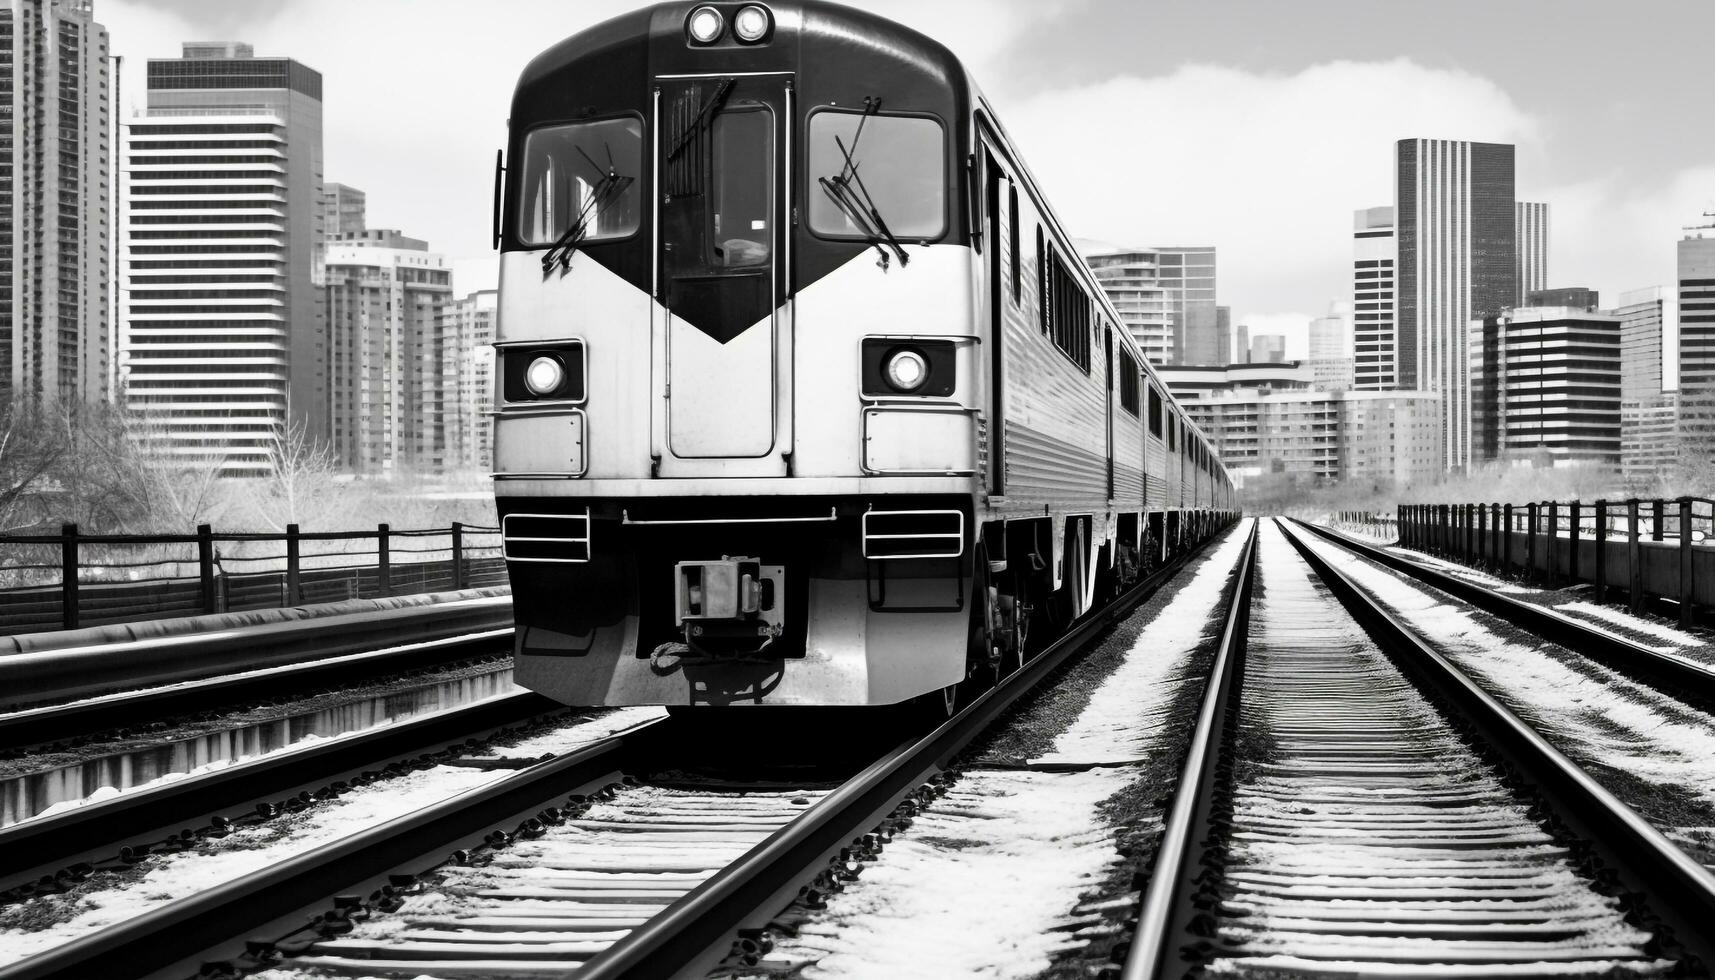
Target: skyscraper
387	383
1458	262
1188	276
225	333
1224	335
1166	296
1532	265
1330	357
56	199
1697	343
1131	281
1268	348
1373	337
344	210
1649	404
1533	359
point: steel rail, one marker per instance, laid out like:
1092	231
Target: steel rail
173	932
44	845
1673	675
695	930
1165	912
35	726
1678	892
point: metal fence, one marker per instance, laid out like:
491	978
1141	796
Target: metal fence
70	579
1646	548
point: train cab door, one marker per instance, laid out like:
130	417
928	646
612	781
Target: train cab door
722	337
992	177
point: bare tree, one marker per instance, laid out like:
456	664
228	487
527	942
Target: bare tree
301	487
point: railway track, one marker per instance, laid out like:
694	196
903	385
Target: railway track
1335	817
650	875
1671	674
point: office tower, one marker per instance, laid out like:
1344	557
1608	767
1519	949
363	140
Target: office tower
1458	262
1548	387
1373	336
1268	348
224	339
1696	347
1577	297
1242	354
56	200
468	357
1649	404
344	210
388	388
1130	279
1532	264
1188	276
1330	358
1224	334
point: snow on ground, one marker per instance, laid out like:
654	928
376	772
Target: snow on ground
1465	572
1638	624
986	881
1595	712
30	927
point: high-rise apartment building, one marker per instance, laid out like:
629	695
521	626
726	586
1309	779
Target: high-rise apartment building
56	201
1547	387
344	210
1373	336
390	395
1649	322
224	338
1166	296
468	357
1458	262
1531	219
1131	280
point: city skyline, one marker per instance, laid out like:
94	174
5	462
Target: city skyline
1263	81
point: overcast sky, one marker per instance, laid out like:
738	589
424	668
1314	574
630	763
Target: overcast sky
1256	127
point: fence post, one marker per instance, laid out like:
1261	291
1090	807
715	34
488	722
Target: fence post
1577	517
1656	521
294	587
1470	533
1482	534
1532	512
458	555
1507	541
1634	556
68	576
1601	552
1685	591
1551	549
384	558
205	564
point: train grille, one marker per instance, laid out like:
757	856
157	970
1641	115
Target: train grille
546	537
894	534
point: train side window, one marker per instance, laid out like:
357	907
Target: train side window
1128	381
1041	280
897	164
1154	412
1068	318
1012	237
582	172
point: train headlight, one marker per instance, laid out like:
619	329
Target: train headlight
705	25
751	24
544	376
906	370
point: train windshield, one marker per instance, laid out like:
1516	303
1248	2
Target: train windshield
894	168
583	176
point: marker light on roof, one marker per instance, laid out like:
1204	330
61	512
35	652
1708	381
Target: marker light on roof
706	25
751	24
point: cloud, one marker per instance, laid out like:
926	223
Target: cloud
1615	234
1266	167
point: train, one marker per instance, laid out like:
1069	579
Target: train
803	394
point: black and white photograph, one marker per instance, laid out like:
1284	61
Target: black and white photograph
857	490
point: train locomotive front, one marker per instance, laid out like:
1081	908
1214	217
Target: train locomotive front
744	388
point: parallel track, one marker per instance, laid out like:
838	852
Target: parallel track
1383	787
1673	675
36	726
45	845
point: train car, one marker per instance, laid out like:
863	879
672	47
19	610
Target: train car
804	396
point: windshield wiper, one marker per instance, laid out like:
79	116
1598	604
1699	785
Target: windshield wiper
604	192
704	116
846	189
